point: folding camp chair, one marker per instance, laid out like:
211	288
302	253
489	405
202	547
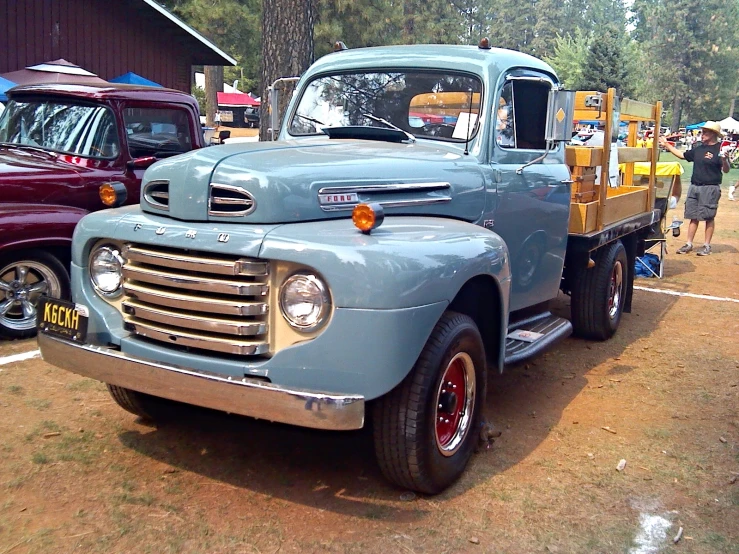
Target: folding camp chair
222	135
667	181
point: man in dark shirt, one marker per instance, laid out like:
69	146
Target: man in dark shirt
701	203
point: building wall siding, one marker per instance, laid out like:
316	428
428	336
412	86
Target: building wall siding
107	37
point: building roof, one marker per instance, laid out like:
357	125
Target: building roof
174	19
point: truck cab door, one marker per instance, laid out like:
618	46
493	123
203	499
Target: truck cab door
532	214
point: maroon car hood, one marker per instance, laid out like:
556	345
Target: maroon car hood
34	176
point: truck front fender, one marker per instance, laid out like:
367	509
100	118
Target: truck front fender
407	262
26	225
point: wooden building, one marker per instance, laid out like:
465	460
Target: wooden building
107	37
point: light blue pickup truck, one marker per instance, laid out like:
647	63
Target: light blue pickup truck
402	236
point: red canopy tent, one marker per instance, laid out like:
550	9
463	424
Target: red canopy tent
233	99
57	71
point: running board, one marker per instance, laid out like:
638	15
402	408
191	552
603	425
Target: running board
528	337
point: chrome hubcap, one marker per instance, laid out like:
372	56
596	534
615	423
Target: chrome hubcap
615	290
21	285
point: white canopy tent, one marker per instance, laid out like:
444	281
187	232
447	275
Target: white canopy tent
729	124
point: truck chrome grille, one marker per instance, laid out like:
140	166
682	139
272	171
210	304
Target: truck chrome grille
196	300
156	194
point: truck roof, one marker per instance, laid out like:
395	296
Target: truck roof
112	91
462	58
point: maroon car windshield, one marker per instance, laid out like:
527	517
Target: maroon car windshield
76	129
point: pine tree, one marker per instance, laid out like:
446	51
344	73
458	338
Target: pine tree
605	65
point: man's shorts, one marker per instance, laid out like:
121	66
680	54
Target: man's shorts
702	202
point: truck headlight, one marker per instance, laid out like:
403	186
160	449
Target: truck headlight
106	270
304	301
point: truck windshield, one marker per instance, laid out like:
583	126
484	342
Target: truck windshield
427	104
77	129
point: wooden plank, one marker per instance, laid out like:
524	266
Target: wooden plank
628	154
623	202
583	217
583	155
589	114
632	110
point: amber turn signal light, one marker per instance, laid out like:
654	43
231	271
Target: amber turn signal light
367	217
113	194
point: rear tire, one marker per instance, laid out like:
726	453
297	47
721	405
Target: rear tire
598	294
426	428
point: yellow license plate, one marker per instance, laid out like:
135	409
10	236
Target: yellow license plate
61	319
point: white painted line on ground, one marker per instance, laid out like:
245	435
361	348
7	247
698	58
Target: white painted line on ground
688	294
652	534
20	357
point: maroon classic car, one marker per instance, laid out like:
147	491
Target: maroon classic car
66	150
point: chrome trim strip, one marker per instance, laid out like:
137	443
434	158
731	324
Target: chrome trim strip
248	397
194	282
151	197
232	201
180	337
248	200
394	187
193	322
203	264
195	303
396	204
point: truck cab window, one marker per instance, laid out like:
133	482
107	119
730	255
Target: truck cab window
522	113
159	132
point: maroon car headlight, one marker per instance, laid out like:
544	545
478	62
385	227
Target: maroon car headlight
106	270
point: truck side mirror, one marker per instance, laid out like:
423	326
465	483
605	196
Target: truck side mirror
276	104
141	163
560	111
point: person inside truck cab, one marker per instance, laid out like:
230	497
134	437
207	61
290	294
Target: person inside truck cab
504	123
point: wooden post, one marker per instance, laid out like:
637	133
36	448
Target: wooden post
655	155
631	142
604	168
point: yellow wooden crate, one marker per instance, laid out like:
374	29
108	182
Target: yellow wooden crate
621	203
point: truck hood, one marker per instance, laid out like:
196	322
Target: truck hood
26	175
314	179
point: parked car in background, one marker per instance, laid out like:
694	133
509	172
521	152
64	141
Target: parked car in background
251	117
65	151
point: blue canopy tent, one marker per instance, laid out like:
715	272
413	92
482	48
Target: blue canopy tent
5	85
132	78
695	125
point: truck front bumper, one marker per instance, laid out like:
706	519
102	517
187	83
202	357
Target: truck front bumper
249	397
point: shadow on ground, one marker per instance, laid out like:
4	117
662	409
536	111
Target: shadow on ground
336	471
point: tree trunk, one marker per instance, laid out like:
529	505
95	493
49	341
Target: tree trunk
677	108
287	48
213	85
733	101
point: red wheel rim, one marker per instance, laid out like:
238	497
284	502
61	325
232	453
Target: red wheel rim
454	403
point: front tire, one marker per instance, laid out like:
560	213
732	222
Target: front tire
24	277
426	428
132	401
598	294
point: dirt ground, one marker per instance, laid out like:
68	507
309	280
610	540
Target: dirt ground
79	474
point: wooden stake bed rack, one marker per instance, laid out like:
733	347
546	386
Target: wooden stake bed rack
595	206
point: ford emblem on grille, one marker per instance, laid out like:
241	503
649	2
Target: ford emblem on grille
229	200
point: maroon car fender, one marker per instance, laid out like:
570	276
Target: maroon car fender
25	225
